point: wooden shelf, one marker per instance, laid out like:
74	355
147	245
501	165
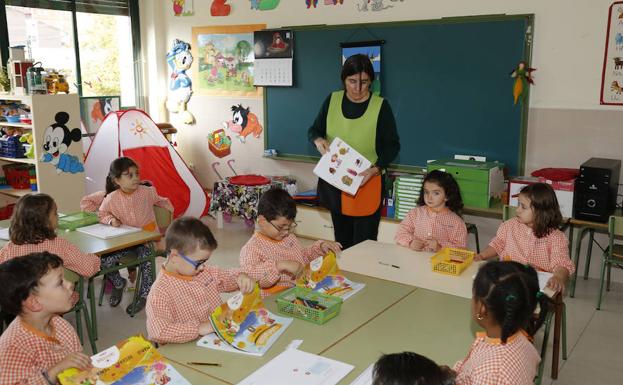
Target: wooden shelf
20	125
20	160
26	99
16	193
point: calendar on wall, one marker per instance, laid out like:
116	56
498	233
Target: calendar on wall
612	72
274	52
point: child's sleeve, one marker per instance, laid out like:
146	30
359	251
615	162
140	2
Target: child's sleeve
406	230
87	265
159	201
227	279
92	202
18	367
498	243
264	271
559	254
312	252
105	214
457	235
161	327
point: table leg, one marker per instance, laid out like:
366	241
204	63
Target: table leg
219	219
576	258
589	251
557	327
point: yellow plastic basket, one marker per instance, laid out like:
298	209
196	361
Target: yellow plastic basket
451	261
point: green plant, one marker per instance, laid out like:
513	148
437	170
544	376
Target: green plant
4	79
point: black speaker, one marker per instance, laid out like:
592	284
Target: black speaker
596	189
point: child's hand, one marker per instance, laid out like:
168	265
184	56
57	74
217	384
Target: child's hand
432	245
115	222
556	284
326	246
245	283
293	267
416	245
479	257
205	328
77	360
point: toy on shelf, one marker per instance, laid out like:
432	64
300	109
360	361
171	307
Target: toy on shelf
56	83
27	140
35	76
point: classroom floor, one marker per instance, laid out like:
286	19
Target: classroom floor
595	339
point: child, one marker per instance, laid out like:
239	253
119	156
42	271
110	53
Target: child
273	256
188	290
436	223
33	229
505	296
38	344
130	203
408	368
533	237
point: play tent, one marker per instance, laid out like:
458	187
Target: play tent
132	133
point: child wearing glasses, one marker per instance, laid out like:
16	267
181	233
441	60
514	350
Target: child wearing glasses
187	289
273	256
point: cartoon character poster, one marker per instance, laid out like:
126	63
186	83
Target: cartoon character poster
57	138
183	7
243	123
373	52
94	109
179	59
225	60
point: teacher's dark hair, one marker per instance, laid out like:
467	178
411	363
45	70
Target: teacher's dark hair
356	64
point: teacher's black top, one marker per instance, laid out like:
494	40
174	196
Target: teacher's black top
387	140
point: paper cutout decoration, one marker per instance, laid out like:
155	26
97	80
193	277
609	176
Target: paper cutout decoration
220	8
311	3
219	143
132	361
323	275
264	5
523	78
372	5
243	123
244	323
56	142
183	7
180	86
333	2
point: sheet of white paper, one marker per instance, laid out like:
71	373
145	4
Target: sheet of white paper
341	166
4	234
100	230
365	378
294	366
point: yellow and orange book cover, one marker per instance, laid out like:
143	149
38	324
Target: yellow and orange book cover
323	275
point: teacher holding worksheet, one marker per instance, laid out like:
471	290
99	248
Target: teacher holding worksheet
366	122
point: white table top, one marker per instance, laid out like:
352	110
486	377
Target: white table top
400	264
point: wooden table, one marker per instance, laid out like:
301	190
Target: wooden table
433	324
373	300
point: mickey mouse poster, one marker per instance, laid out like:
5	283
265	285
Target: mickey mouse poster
56	141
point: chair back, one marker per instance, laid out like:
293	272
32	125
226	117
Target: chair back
163	218
615	229
508	212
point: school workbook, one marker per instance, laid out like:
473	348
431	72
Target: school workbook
131	361
341	165
323	275
245	324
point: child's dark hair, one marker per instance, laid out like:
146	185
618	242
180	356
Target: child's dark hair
545	208
446	181
408	368
31	220
187	234
20	277
510	292
275	203
118	167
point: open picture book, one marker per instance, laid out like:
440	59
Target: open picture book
323	275
244	324
341	165
131	361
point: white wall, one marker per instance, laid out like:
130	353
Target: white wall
566	124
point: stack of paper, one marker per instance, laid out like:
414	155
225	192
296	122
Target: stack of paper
106	231
407	192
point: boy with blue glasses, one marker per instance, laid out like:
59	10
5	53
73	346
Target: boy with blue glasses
187	289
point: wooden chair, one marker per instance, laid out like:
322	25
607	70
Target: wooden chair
613	255
163	219
558	313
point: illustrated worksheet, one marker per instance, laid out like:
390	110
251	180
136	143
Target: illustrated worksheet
341	166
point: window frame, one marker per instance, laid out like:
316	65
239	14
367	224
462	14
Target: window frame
75	6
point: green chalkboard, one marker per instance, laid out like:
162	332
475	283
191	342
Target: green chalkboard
447	81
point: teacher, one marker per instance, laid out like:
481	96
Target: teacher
366	122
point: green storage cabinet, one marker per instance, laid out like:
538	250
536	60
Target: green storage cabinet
477	180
